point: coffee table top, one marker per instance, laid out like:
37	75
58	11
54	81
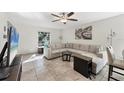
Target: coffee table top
83	57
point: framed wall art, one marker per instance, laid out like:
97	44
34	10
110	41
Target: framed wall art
84	33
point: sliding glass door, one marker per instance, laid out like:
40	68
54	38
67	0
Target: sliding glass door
43	38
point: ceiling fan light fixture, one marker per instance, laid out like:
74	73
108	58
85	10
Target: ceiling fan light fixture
63	20
64	17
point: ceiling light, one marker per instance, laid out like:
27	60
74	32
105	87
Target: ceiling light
63	20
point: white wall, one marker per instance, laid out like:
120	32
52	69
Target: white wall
100	32
28	40
29	37
2	24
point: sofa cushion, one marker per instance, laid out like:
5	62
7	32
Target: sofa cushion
68	45
63	45
55	51
92	55
94	49
53	47
76	46
84	47
74	51
58	46
62	50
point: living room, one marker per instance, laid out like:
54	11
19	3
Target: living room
96	30
100	30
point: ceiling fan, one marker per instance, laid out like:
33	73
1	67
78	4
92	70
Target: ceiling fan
64	17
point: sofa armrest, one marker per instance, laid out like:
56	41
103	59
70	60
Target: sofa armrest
47	52
103	55
100	55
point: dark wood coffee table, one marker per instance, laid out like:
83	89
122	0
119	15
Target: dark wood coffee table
66	56
83	65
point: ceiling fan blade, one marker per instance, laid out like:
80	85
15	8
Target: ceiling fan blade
55	15
72	19
56	20
70	14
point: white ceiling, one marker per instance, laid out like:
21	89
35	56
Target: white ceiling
44	19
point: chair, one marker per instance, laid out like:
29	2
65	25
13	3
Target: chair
113	63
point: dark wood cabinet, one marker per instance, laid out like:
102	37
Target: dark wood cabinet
83	65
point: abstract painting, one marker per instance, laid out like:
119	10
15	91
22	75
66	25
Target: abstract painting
85	33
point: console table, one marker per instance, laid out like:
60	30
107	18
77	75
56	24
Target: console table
15	69
83	65
41	49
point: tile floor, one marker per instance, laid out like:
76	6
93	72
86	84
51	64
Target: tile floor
36	68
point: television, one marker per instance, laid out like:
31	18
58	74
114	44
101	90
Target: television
13	40
8	52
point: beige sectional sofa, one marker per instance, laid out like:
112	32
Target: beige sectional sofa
93	51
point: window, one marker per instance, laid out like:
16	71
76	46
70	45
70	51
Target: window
43	38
